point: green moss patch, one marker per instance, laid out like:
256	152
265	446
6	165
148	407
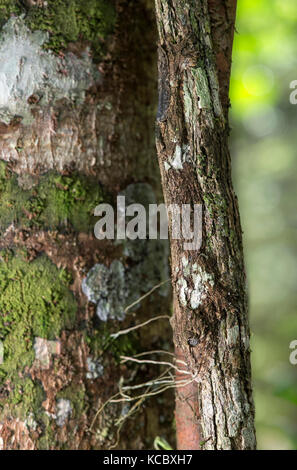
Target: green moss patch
35	301
26	399
100	341
67	21
56	201
75	393
9	8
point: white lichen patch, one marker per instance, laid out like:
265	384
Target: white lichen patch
197	293
183	290
180	157
95	369
44	349
50	415
30	422
186	267
232	335
244	338
208	412
167	166
64	410
176	162
27	69
193	285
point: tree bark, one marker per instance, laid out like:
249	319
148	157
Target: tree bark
210	323
77	104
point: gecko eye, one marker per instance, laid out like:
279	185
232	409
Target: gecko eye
193	340
33	99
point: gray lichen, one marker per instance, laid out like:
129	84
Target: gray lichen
27	69
95	368
106	288
115	287
64	410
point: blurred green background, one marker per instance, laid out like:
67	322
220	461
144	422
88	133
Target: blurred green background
264	150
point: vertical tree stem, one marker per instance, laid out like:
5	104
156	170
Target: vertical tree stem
210	321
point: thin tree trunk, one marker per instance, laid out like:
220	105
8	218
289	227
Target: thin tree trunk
210	324
77	105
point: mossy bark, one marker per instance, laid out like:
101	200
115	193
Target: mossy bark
76	128
210	322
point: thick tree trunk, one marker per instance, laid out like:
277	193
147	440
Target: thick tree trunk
77	106
210	322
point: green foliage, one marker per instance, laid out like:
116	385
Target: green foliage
264	52
67	21
288	393
56	201
265	169
35	301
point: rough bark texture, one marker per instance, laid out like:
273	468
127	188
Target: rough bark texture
77	106
210	320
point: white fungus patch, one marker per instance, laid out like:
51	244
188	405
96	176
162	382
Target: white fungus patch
27	69
64	410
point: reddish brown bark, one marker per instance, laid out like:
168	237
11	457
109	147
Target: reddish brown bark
186	412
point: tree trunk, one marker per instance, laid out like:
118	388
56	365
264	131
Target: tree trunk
210	324
77	106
